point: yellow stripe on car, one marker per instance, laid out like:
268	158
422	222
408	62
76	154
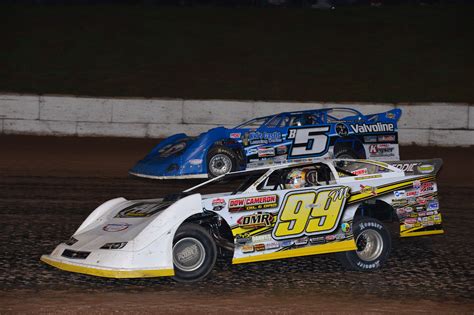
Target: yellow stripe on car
305	251
108	273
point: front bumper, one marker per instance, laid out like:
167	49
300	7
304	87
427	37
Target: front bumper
108	272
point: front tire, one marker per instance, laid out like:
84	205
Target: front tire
221	160
373	246
194	253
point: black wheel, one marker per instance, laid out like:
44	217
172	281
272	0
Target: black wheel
194	253
220	161
346	154
373	246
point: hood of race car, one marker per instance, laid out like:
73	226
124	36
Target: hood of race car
178	155
123	224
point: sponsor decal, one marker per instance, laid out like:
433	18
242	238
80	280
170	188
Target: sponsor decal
252	151
368	177
412	193
410	221
364	189
241	240
381	149
259	219
259	247
281	149
342	130
387	138
272	245
406	167
433	205
346	227
399	194
427	187
253	203
266	152
317	240
425	168
400	202
360	171
408	225
218	204
116	227
262	238
369	128
141	210
331	237
287	243
417	184
370	139
301	241
247	249
235	135
195	162
421	200
258	137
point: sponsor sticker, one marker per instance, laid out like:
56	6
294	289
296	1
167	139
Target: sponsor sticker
116	227
272	245
399	194
253	203
247	249
143	209
266	152
281	149
369	128
218	204
262	238
342	130
346	227
331	237
317	240
417	184
360	171
433	205
410	221
426	168
364	189
412	193
427	187
384	149
235	135
368	177
287	243
259	219
259	247
387	138
406	167
370	139
301	241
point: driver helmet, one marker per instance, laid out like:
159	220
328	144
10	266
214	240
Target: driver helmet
295	179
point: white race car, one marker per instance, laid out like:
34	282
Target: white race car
332	206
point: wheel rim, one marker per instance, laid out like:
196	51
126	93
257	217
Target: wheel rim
369	245
188	254
220	164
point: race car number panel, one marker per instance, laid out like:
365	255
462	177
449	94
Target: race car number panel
310	212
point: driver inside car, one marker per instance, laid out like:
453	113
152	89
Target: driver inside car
301	177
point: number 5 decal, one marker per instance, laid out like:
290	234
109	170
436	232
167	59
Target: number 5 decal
310	212
308	141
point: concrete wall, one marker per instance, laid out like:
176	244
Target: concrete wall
441	124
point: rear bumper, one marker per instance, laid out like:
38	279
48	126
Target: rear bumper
106	272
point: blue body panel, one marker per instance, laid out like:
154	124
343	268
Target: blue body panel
289	136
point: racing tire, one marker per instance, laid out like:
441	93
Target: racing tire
373	242
194	253
346	154
221	160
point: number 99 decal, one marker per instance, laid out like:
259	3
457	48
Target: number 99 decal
310	141
310	212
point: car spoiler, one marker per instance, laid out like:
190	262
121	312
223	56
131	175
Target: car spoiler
418	167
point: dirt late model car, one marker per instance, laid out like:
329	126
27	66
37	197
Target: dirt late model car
332	206
280	138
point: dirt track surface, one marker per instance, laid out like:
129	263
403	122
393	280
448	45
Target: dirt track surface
40	208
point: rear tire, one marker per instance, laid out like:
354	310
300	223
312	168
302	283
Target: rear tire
346	154
194	253
373	241
221	160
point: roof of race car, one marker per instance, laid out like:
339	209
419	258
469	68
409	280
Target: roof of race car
312	111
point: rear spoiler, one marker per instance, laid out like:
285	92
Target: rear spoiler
418	167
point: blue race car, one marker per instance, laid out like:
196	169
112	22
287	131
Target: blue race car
281	138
